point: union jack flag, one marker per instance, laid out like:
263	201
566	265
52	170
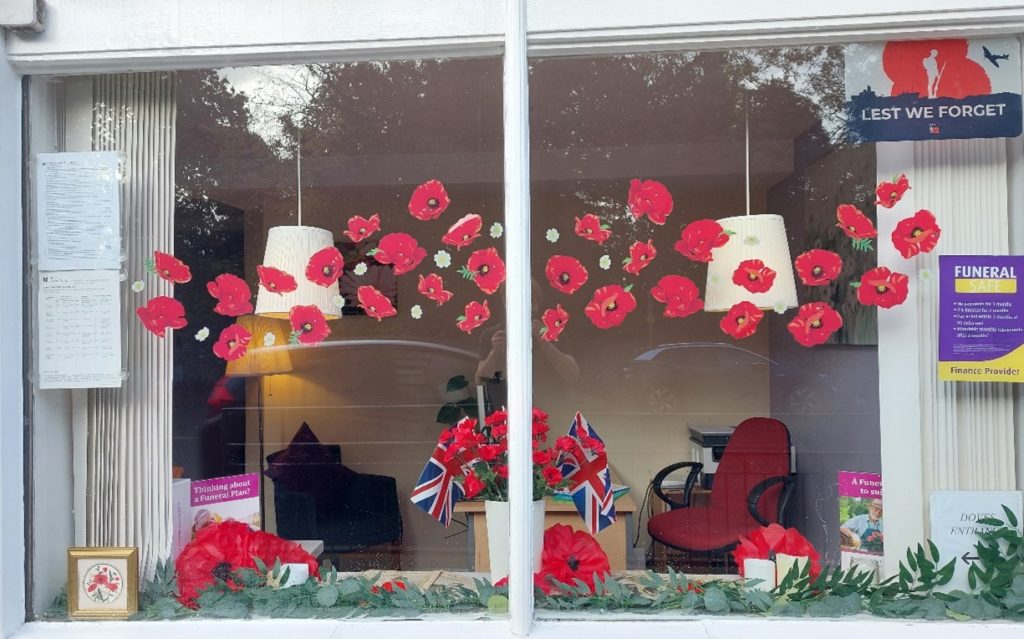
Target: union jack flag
591	487
438	488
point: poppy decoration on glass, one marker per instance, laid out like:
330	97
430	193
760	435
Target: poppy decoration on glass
814	324
232	294
486	269
360	228
553	322
890	193
610	305
429	201
679	295
857	226
915	235
474	315
570	557
308	325
275	280
650	198
325	266
590	227
699	238
464	231
169	268
376	304
431	286
754	276
232	343
401	250
742	320
882	287
818	267
641	254
565	274
161	313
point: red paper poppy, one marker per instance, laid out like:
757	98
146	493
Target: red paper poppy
754	276
640	256
741	321
431	286
915	235
232	343
855	224
428	201
589	227
325	266
882	287
814	324
650	198
161	313
570	555
170	268
389	586
464	232
565	274
232	294
360	228
818	267
889	193
554	321
552	475
308	324
472	486
486	268
771	540
275	280
400	249
475	314
609	306
375	303
679	294
699	238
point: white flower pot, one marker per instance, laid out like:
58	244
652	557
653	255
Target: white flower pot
498	536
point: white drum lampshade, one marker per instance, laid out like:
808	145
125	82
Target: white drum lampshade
761	237
289	249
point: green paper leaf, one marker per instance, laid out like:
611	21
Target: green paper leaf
327	596
466	273
1011	518
628	288
715	600
497	604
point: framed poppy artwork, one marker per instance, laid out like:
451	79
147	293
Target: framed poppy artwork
103	583
363	271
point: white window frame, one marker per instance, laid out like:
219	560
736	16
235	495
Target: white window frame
91	36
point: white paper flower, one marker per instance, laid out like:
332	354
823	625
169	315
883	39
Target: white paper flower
416	311
605	262
443	259
138	286
552	235
338	301
202	334
751	240
269	339
497	230
924	274
779	307
360	268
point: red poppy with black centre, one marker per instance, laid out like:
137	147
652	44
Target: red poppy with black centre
890	193
275	280
171	269
429	200
854	223
565	274
818	267
232	343
474	315
431	286
589	227
814	324
308	324
232	294
570	555
325	266
640	256
360	228
401	250
699	238
463	232
679	295
742	320
553	321
754	276
487	269
161	313
376	304
882	287
916	235
609	306
650	198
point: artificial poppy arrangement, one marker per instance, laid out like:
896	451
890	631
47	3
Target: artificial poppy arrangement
570	557
768	541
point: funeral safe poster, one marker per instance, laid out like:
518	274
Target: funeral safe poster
981	318
934	89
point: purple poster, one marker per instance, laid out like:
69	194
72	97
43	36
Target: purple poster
981	318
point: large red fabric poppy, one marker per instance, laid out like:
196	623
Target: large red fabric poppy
570	555
741	321
554	321
754	276
429	201
308	324
464	231
170	268
275	280
232	343
916	235
889	193
232	294
161	313
325	266
679	294
771	540
376	304
855	224
882	287
650	198
565	274
609	306
360	228
431	286
487	269
640	256
474	315
814	324
589	227
699	238
818	267
401	250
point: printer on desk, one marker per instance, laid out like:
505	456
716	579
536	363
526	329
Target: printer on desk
708	443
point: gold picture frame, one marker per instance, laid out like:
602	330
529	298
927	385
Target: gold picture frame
103	583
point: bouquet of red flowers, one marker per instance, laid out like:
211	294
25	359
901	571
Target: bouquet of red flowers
771	540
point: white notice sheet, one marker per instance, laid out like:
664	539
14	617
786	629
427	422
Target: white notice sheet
78	201
79	329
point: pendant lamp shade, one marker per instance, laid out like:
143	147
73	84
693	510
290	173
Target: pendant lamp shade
753	237
289	249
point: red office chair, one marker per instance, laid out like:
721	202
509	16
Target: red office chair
751	488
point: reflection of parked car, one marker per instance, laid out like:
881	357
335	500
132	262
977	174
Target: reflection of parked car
685	377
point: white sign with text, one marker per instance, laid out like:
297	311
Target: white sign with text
955	527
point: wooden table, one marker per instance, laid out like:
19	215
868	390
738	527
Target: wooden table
613	539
